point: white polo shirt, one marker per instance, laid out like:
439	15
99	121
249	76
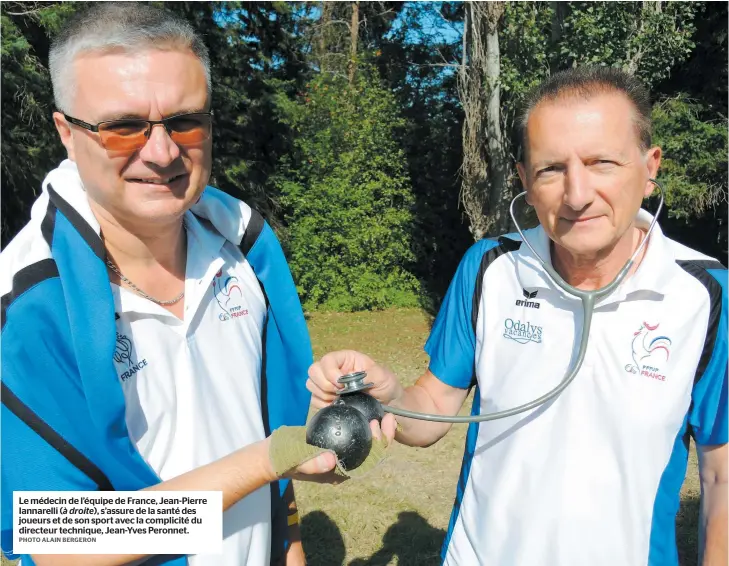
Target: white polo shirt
192	386
592	477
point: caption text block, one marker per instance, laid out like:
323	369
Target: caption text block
117	522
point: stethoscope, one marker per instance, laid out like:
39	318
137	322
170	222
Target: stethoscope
354	382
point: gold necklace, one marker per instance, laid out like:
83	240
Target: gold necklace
115	269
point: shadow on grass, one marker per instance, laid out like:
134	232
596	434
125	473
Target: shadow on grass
687	531
323	543
412	540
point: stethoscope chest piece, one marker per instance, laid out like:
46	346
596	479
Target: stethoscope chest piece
343	426
352	395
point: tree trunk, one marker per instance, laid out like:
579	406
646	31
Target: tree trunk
499	194
650	7
485	192
354	34
474	171
326	15
558	11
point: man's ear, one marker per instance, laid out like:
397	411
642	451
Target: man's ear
523	177
64	130
653	162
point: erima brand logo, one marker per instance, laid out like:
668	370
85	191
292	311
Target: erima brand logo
528	302
123	356
647	343
522	332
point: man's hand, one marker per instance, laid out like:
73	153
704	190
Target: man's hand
428	395
323	376
291	457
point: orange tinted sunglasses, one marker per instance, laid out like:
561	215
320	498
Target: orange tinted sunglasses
131	134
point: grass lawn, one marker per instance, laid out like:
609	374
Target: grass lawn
400	514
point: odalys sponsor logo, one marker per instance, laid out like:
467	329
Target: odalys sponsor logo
522	332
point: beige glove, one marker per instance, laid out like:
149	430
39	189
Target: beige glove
288	449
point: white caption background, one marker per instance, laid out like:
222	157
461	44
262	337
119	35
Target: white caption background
117	522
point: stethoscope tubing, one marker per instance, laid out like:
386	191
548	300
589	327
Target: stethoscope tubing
588	298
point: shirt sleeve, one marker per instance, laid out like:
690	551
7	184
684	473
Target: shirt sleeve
452	341
29	463
44	432
708	414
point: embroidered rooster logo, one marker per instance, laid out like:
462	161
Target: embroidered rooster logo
225	288
646	343
123	351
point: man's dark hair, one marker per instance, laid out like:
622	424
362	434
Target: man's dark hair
586	82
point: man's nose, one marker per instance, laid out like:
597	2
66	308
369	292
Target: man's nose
579	192
159	149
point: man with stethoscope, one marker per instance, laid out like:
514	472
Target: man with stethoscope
591	472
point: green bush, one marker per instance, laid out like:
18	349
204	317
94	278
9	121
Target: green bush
694	165
347	197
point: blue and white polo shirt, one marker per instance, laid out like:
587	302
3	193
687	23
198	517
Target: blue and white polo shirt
593	476
103	391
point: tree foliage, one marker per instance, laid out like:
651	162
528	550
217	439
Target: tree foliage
694	163
29	142
694	169
362	181
645	38
411	63
256	56
347	197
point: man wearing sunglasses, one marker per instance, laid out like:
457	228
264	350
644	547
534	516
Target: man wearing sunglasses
152	334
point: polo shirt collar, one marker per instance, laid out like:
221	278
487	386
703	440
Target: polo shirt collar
658	265
655	269
204	259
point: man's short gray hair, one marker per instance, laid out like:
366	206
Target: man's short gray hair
126	26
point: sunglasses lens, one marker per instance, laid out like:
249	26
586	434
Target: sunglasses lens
189	129
130	135
123	135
